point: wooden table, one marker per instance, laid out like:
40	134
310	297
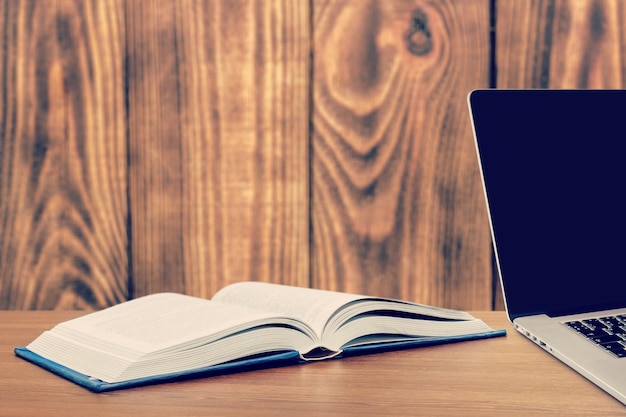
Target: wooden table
495	377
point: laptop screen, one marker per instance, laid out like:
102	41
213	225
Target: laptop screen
554	169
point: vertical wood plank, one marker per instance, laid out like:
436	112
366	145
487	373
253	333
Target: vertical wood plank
397	203
560	44
218	96
62	154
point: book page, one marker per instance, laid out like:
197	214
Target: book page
311	306
153	322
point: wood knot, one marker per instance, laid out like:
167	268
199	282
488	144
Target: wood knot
418	38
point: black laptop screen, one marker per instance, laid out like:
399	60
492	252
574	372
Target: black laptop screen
554	169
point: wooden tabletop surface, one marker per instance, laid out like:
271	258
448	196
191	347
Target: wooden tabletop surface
494	377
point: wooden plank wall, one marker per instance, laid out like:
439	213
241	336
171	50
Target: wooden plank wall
179	145
63	154
397	207
218	143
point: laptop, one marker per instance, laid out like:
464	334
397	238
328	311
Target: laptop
553	165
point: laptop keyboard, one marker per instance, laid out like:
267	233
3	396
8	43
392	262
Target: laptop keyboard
608	332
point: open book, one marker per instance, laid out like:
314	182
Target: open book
166	336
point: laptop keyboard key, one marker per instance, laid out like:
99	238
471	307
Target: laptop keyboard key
606	339
615	348
585	330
